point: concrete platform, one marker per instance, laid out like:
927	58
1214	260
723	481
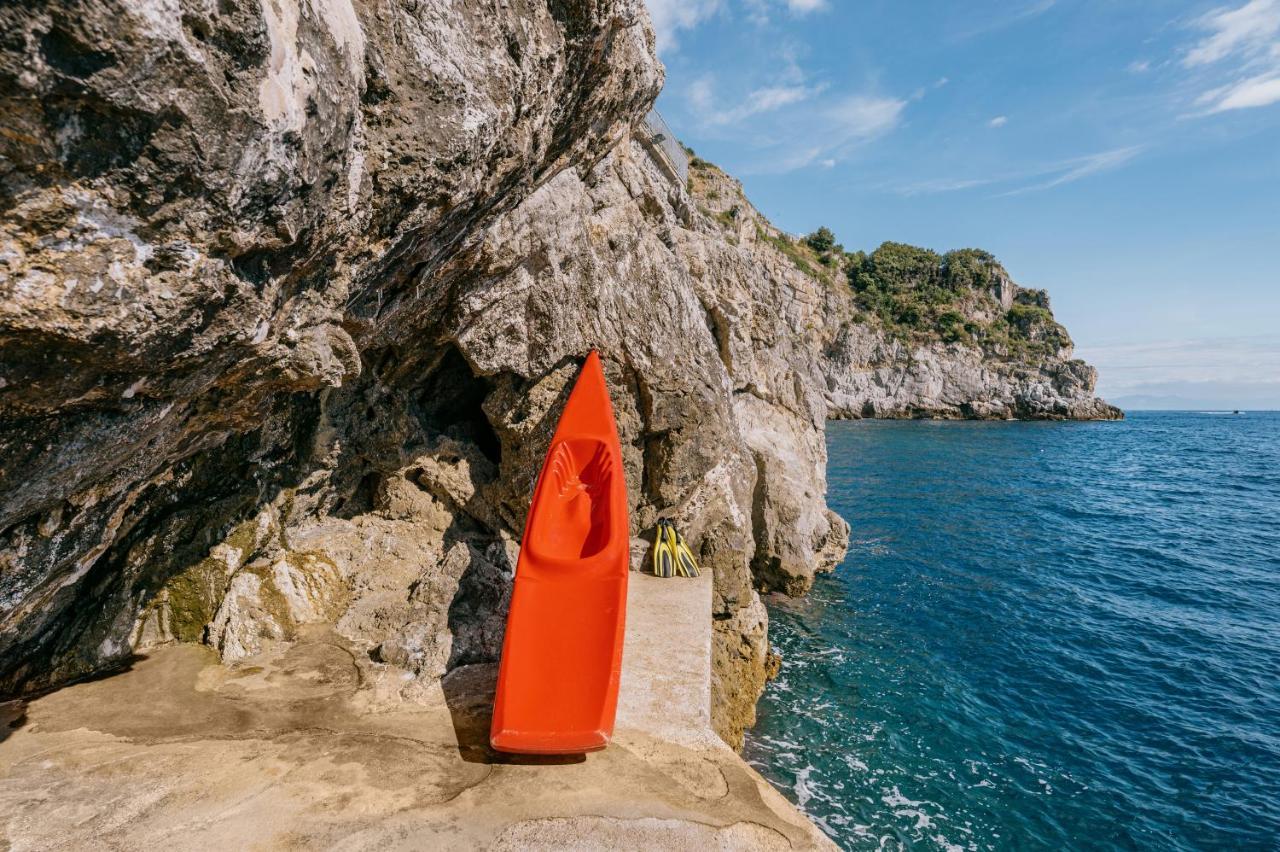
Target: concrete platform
309	750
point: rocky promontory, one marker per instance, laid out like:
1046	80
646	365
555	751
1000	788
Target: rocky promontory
293	291
905	332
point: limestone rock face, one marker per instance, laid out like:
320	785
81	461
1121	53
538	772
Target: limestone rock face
739	667
229	236
871	375
294	292
722	417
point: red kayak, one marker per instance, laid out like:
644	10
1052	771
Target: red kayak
562	655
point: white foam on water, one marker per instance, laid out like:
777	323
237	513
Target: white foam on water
855	764
947	844
895	799
922	819
804	792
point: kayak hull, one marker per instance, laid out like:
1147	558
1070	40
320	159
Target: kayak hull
562	654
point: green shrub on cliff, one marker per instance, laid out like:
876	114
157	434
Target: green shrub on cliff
902	285
824	245
896	268
821	240
1036	298
728	218
918	295
797	252
971	269
1033	328
1027	318
951	327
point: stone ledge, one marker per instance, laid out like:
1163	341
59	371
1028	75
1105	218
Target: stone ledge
182	752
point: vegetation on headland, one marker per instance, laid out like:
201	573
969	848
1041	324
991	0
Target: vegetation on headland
916	295
919	295
794	250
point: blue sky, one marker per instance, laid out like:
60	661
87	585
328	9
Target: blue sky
1123	155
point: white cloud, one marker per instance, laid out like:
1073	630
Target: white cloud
998	121
924	90
1211	397
783	120
1083	167
767	99
1259	91
795	158
1045	176
1243	45
820	134
702	98
772	97
757	11
1213	372
932	187
1009	18
669	16
1139	66
862	117
1249	30
701	94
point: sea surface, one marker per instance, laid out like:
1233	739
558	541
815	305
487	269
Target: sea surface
1044	636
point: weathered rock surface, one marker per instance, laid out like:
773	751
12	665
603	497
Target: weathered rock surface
229	245
306	747
293	292
872	375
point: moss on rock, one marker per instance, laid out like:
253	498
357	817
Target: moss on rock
190	599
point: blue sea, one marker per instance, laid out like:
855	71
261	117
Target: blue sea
1044	636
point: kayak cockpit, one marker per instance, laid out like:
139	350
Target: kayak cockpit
573	518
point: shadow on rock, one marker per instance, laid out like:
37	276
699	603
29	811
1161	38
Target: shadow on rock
13	715
469	693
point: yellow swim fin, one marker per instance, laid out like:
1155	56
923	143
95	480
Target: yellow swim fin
669	534
664	558
685	563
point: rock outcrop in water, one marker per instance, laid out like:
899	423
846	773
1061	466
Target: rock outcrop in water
293	292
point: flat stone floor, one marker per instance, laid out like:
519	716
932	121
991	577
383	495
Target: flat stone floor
301	752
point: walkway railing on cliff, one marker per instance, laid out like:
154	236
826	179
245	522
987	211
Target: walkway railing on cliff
666	149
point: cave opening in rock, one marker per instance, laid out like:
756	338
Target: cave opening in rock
450	402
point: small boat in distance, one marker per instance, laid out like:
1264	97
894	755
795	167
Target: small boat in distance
562	654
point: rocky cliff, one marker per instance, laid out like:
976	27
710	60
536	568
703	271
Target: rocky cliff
905	332
293	292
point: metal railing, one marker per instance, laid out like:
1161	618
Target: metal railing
665	145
